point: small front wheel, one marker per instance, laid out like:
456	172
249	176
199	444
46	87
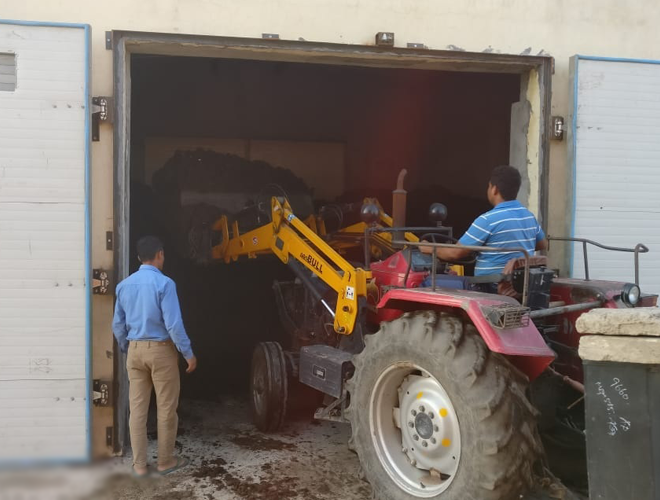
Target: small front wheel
269	386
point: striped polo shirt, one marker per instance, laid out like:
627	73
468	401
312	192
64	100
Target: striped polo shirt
508	225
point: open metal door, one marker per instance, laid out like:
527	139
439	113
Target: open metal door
616	165
44	242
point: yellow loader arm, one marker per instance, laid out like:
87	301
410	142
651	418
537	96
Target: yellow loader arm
289	237
384	238
384	220
341	239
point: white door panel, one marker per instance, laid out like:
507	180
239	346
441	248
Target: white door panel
616	158
44	302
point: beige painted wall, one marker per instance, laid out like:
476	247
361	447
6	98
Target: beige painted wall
560	28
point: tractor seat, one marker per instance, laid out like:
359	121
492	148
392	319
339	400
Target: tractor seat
511	281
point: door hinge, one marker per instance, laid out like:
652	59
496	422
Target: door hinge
557	128
100	282
101	392
102	111
385	39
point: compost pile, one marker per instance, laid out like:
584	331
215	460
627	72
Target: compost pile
194	188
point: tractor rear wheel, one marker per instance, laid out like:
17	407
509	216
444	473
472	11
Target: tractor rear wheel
435	414
269	386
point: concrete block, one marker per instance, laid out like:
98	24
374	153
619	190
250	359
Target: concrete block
620	349
644	322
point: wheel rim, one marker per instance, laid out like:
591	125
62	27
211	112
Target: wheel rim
415	430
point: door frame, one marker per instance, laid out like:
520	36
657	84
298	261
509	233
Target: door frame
125	43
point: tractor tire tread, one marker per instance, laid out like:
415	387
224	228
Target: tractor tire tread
504	461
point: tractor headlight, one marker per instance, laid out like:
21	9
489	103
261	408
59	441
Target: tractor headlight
631	295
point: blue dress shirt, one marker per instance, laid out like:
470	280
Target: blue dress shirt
147	308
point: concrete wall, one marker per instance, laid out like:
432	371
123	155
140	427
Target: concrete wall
560	28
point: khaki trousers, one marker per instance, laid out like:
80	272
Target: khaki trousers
153	365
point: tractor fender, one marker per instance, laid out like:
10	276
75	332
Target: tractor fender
523	345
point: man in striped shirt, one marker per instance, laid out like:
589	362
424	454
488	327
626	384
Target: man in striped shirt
508	225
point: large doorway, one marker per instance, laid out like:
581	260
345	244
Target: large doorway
340	129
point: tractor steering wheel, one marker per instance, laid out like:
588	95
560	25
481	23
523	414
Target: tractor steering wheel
460	262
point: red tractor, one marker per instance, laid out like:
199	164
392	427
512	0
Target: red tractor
451	393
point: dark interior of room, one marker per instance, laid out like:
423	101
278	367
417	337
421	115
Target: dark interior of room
448	129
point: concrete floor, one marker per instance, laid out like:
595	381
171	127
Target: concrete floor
230	460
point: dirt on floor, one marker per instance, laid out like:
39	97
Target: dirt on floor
230	460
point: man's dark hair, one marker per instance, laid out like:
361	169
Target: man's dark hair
507	179
148	247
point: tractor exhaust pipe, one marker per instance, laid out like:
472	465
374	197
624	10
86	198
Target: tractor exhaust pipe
399	196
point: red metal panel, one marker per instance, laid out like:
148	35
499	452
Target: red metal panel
519	343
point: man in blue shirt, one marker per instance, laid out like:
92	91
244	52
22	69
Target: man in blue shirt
148	326
508	225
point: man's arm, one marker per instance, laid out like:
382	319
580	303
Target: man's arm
448	254
541	240
169	305
119	326
542	244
